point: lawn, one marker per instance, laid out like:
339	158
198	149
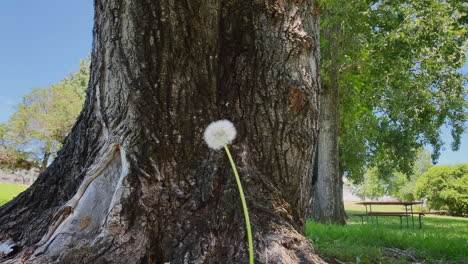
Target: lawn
9	191
443	239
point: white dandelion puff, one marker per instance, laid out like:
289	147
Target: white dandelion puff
219	133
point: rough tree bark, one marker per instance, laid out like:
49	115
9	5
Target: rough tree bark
327	202
135	183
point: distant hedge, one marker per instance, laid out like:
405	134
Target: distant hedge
445	188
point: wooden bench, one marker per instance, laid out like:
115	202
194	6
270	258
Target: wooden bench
408	211
399	214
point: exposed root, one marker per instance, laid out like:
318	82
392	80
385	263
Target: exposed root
288	247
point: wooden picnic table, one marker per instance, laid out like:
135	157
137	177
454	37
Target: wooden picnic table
400	214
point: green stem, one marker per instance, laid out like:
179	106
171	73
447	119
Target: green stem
244	206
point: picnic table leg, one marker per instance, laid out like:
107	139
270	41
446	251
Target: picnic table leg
401	222
412	216
420	222
367	216
406	211
362	220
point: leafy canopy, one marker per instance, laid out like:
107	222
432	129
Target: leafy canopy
398	76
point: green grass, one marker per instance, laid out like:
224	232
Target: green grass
442	238
9	191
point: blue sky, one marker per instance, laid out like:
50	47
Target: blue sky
42	41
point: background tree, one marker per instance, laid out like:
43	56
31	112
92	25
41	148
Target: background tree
37	129
135	182
399	185
403	186
10	157
445	188
396	66
372	187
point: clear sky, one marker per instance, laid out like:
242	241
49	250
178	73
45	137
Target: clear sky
42	41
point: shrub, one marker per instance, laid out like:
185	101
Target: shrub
446	188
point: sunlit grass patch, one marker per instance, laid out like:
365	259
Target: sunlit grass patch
9	191
441	238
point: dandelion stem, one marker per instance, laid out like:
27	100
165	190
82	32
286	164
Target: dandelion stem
244	206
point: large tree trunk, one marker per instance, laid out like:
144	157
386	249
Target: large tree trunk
135	183
327	202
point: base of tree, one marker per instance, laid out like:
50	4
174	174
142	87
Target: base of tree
95	225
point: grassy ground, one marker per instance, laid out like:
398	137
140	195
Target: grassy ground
443	239
9	191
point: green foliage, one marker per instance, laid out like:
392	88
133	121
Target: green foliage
446	188
42	121
403	186
399	185
11	157
398	72
407	191
371	187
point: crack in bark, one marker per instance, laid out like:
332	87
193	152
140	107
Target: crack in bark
67	210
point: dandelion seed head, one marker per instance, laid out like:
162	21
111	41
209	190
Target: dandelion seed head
219	133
